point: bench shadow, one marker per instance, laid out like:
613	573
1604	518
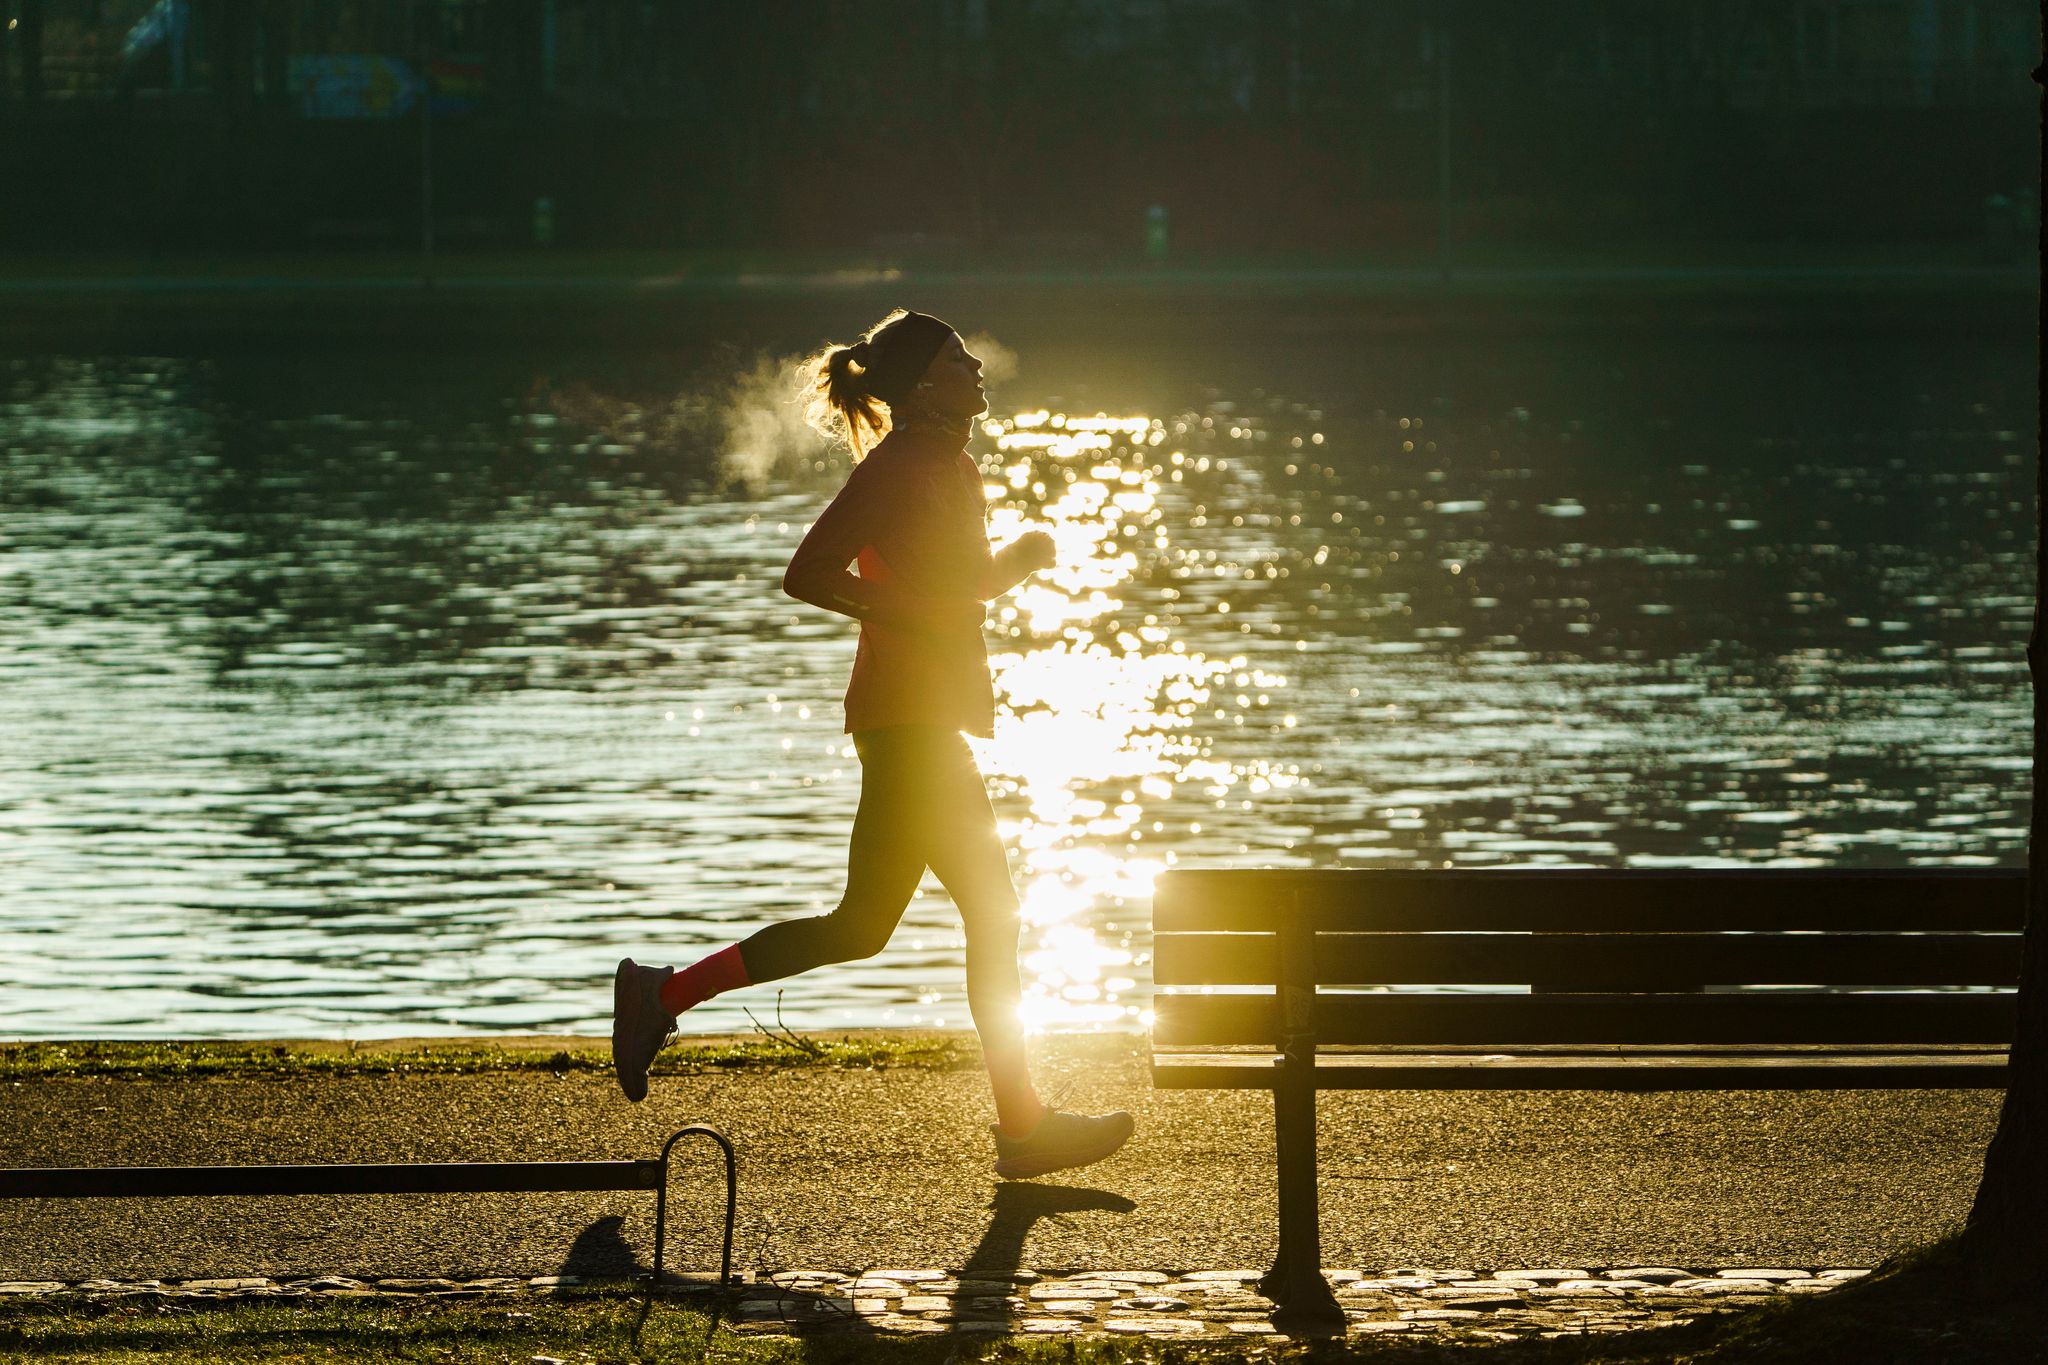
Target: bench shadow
600	1251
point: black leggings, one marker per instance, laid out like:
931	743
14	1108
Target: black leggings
922	804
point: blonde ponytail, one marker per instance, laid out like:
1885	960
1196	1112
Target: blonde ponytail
835	387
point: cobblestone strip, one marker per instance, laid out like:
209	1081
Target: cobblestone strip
1420	1301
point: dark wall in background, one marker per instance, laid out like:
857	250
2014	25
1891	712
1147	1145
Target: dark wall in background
1045	126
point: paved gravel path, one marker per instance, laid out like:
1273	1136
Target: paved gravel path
1449	1305
856	1170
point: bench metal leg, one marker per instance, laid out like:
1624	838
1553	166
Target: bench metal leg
731	1199
1296	1280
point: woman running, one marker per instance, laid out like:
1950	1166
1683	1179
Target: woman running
913	516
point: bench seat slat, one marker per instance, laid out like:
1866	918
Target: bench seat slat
471	1177
1606	1069
1610	962
1565	901
1505	1020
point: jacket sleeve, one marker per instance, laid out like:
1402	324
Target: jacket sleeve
818	574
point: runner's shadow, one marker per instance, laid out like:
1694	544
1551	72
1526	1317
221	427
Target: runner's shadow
1016	1207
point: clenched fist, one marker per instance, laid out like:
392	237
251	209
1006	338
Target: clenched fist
1035	550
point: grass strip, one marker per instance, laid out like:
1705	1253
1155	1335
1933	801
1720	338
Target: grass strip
1930	1305
154	1060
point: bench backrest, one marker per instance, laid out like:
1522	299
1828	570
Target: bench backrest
1685	957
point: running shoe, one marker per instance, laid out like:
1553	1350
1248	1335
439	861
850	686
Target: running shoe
640	1026
1061	1140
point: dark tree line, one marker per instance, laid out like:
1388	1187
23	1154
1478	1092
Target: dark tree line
1260	125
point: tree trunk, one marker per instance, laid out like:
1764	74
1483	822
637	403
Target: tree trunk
2008	1225
2007	1232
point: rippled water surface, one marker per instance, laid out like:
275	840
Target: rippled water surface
403	698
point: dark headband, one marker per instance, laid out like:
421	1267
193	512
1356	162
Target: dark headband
899	355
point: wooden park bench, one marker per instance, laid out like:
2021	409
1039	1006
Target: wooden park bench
1570	980
425	1177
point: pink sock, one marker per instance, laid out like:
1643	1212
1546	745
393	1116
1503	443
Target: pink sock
1018	1108
1022	1120
723	971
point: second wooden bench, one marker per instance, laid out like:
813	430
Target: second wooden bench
1299	981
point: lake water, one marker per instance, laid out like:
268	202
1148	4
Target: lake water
399	695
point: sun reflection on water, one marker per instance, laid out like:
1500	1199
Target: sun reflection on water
1096	722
